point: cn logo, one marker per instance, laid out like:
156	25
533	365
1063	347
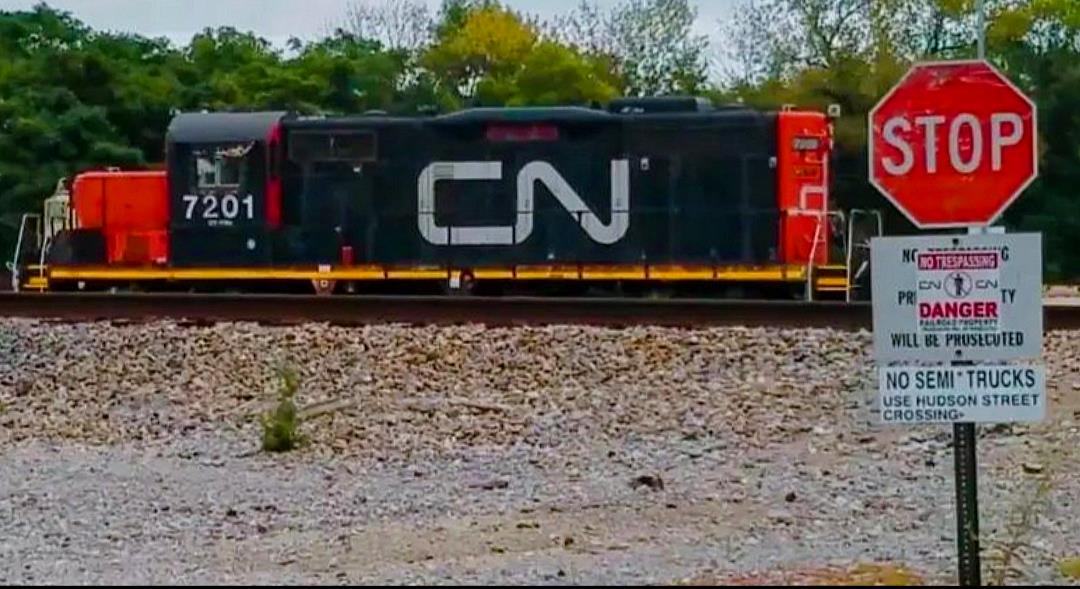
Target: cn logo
530	174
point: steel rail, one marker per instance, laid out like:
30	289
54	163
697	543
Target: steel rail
442	310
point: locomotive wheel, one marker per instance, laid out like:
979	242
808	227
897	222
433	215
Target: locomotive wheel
324	287
464	286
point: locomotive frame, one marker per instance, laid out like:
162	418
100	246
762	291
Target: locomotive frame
652	195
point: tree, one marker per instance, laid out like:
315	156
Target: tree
555	75
650	42
399	25
62	108
779	38
493	56
488	46
454	13
1050	204
342	74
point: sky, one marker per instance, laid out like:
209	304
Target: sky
277	20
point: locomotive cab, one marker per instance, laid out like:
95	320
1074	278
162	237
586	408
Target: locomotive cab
224	191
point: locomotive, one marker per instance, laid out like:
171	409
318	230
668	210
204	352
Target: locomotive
656	195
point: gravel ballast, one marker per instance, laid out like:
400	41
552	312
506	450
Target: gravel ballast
472	455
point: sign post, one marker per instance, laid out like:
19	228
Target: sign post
952	146
967	505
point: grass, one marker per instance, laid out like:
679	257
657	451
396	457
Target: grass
1070	568
1006	556
281	427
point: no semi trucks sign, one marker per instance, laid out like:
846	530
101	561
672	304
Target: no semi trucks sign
957	297
970	394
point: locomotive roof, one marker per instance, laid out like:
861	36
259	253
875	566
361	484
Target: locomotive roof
557	114
209	127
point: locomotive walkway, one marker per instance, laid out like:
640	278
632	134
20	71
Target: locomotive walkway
494	311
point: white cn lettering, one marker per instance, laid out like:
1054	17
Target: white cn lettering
527	178
425	201
891	127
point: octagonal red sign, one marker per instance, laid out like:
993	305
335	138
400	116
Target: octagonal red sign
953	144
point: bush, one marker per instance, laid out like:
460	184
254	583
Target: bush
281	427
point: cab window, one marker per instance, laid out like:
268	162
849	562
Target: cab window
221	167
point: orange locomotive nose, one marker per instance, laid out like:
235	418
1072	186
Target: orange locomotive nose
130	208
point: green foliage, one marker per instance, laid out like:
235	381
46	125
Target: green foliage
1070	568
553	74
649	45
486	47
1050	205
455	13
658	50
281	428
1005	557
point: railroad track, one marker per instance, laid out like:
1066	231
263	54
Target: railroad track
496	311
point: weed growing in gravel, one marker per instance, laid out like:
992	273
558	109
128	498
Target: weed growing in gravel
281	427
1006	555
1070	568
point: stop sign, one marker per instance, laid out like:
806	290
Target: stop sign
953	144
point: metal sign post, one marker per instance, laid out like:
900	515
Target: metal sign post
967	504
966	469
981	24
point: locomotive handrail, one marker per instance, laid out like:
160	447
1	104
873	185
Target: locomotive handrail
41	257
851	245
15	264
822	216
810	260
